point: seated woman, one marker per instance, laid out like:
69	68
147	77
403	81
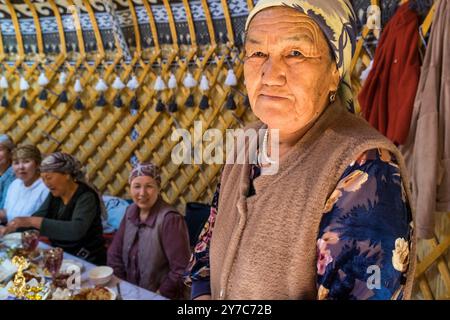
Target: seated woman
151	247
28	192
7	175
71	215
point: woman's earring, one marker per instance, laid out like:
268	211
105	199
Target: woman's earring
333	97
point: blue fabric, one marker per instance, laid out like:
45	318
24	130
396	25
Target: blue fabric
5	180
115	208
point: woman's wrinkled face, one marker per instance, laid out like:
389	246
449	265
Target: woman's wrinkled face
56	182
144	192
288	70
26	170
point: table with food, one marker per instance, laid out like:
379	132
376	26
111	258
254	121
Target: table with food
33	270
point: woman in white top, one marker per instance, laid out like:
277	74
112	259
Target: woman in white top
26	193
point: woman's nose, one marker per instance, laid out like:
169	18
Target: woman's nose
273	72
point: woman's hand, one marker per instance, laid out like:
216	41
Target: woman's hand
2	231
24	222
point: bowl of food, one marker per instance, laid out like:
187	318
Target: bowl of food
97	293
100	276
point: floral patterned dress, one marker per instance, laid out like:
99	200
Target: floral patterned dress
364	237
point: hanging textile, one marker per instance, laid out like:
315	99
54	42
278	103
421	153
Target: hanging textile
387	96
427	149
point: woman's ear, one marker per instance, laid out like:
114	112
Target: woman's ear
335	78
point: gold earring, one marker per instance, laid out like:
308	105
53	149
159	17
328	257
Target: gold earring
333	97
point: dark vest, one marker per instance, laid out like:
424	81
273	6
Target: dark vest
92	246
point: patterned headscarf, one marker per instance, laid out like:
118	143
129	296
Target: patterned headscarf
63	163
145	169
67	164
337	21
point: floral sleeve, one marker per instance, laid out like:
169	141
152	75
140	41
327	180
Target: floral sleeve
198	268
364	237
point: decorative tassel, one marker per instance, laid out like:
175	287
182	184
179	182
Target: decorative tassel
77	87
24	84
43	80
79	104
118	103
159	84
134	105
172	83
101	102
204	83
5	102
23	103
101	85
160	107
231	79
62	78
4	83
204	103
133	84
173	107
63	97
230	104
118	84
43	95
189	81
190	101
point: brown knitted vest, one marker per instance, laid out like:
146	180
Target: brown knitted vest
153	264
264	247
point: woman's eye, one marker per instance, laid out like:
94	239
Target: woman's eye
258	54
296	53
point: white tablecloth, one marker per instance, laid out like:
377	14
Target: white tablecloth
128	291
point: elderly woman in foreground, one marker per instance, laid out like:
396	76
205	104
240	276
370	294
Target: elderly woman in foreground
334	222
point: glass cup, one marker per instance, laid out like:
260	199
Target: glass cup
53	260
30	240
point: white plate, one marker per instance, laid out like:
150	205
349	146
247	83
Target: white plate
12	240
16	236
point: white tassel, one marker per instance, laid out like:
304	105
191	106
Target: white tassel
133	84
118	84
101	85
189	81
231	78
366	72
43	80
24	84
77	87
4	83
204	84
62	78
172	84
159	84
